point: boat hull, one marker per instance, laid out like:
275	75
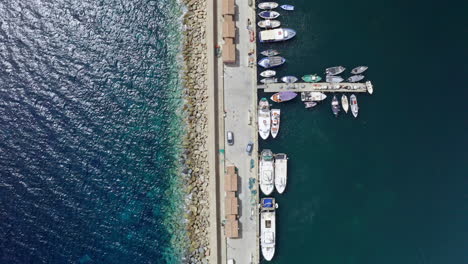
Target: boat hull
267	5
275	122
283	97
344	103
287	7
269	14
264	119
268	228
312	96
269	80
311	78
268	73
335	70
289	79
310	104
270	62
266	172
355	78
354	105
334	79
359	69
269	24
276	35
335	105
281	172
270	52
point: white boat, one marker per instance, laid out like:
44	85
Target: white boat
355	78
267	5
335	70
264	119
268	227
312	96
266	172
344	103
359	69
268	73
335	105
281	172
310	104
268	23
370	87
276	35
269	14
354	105
269	80
275	122
289	79
334	79
287	7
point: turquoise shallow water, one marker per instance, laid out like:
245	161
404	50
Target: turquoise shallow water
90	130
389	186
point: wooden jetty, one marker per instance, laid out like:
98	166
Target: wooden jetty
318	87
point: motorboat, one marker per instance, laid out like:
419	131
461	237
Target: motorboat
276	35
270	62
289	79
281	172
335	105
370	87
267	5
287	7
268	73
344	103
275	122
354	105
266	172
264	119
312	96
270	52
310	104
268	227
311	78
269	14
355	78
283	96
335	70
268	23
334	79
269	80
359	69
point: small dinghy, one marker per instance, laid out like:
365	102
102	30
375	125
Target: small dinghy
283	97
310	104
334	79
344	103
270	52
269	14
287	7
354	105
267	5
270	62
335	70
269	80
311	78
355	78
359	69
268	73
335	105
269	23
289	79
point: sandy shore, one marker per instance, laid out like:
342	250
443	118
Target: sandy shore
195	142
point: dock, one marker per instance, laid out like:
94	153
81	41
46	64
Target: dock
317	87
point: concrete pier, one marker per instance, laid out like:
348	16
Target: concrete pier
317	87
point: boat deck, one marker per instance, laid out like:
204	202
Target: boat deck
315	87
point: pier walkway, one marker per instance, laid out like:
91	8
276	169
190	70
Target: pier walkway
317	87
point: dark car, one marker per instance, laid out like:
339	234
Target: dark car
230	138
249	148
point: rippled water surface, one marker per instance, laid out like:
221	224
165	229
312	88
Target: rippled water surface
89	132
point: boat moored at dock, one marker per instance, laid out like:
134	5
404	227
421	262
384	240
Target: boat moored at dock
281	172
276	35
268	73
275	122
355	78
270	62
335	105
335	70
354	105
269	14
334	79
359	69
287	7
266	172
268	5
270	52
269	80
344	103
268	23
369	87
289	79
310	104
268	227
264	119
283	97
311	78
313	96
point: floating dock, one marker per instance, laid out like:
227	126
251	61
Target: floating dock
318	87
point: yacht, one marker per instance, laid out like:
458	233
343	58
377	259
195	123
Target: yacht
264	119
281	172
276	35
275	122
268	227
267	172
312	96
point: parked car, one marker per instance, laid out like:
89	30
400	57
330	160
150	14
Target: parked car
230	138
249	148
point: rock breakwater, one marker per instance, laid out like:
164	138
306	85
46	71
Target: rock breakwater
195	141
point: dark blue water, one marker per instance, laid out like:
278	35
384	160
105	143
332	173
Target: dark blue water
90	131
391	185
